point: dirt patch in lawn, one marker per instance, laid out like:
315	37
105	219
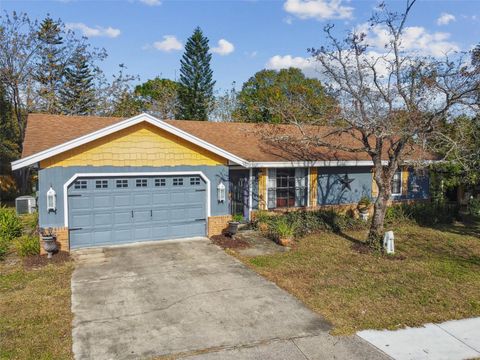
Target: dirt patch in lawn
38	261
227	242
433	277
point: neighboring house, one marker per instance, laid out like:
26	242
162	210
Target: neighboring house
114	181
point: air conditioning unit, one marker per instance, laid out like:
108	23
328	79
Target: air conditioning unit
25	204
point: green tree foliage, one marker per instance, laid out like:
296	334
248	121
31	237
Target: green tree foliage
159	97
50	68
77	97
196	77
127	105
458	142
9	133
272	96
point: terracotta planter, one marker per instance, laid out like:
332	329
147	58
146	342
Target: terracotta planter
263	227
284	241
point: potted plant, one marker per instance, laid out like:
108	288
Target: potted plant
364	205
49	241
233	224
284	231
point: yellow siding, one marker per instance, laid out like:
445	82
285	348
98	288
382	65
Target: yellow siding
262	189
313	186
405	174
140	145
374	185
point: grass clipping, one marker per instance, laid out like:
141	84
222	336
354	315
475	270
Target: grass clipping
434	276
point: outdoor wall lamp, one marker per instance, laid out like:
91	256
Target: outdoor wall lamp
221	193
51	200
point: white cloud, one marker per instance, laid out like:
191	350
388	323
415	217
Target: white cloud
445	19
169	43
318	9
278	62
416	39
151	2
224	47
96	31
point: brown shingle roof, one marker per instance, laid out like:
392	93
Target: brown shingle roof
245	140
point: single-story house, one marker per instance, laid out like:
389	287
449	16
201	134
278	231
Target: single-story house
105	180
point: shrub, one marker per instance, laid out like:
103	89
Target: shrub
3	248
237	218
474	206
30	223
10	225
27	245
302	223
423	213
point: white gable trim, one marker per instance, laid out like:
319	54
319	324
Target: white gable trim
45	154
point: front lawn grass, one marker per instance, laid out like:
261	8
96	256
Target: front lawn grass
35	312
434	276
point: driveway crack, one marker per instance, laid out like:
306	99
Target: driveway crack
108	319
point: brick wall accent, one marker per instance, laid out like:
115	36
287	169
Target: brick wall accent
217	224
62	240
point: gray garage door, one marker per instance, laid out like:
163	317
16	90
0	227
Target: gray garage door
116	210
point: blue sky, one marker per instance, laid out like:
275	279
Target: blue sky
148	35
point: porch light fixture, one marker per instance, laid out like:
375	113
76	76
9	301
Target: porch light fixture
221	193
51	200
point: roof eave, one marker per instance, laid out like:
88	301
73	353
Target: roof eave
42	155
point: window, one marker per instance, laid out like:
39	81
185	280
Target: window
195	180
287	188
141	183
397	183
101	184
122	183
160	182
177	181
80	184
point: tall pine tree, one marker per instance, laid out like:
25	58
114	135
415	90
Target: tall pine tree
77	96
9	134
196	83
50	69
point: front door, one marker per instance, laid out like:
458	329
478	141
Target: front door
239	194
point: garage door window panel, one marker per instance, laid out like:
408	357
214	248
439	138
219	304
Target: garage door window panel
122	183
177	181
101	184
80	184
141	182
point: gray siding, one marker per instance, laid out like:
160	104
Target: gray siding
331	190
58	176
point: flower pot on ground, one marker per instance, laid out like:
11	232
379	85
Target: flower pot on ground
363	207
284	231
49	241
233	224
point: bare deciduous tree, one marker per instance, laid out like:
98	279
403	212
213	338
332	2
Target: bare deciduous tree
390	102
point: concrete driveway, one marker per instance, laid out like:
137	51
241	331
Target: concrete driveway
190	299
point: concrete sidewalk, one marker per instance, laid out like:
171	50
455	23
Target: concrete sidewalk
451	340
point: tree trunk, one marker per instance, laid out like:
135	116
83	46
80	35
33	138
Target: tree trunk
375	235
